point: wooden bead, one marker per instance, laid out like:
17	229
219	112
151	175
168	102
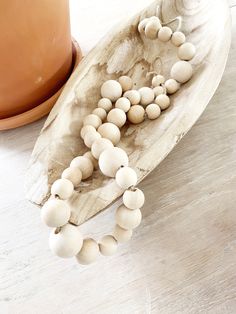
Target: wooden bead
117	116
91	137
181	71
122	235
178	38
105	104
55	213
123	103
110	131
186	51
126	177
101	113
67	242
153	111
108	245
92	119
111	89
93	160
99	146
62	188
158	80
136	114
111	160
85	129
152	27
126	83
172	86
163	101
128	219
133	96
142	25
147	95
159	90
88	253
133	199
164	34
84	164
72	174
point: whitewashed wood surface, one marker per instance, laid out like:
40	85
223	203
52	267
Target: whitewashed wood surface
181	259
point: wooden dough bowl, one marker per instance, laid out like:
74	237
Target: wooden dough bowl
124	52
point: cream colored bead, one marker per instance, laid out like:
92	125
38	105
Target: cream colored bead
186	51
108	245
152	27
84	164
158	80
128	219
111	89
172	86
126	177
88	253
92	119
153	111
91	137
62	188
123	103
105	104
182	71
178	38
55	213
110	131
93	160
159	90
136	114
133	199
101	113
122	235
99	146
147	96
142	25
111	160
126	83
117	116
163	101
85	129
67	242
133	96
164	34
72	174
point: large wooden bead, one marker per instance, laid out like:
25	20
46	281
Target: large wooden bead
90	138
147	95
110	131
163	101
164	34
62	188
88	253
93	160
111	89
186	51
152	27
92	119
117	116
136	114
99	146
142	25
122	235
133	96
158	90
67	242
153	111
85	129
181	71
111	160
84	164
72	174
108	245
172	86
158	80
55	213
101	113
123	103
128	219
133	199
178	38
105	104
126	83
126	177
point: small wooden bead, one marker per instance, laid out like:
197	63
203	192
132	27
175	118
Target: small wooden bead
101	113
158	80
159	90
126	83
136	114
108	245
147	95
122	235
163	101
93	160
55	213
85	129
172	86
133	96
111	160
123	103
126	177
152	27
91	137
133	199
128	219
88	253
110	131
117	116
62	188
153	111
92	119
111	89
72	174
99	146
181	71
178	38
105	104
142	25
164	34
84	164
67	242
186	51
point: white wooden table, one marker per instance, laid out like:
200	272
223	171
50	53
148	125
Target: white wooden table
181	260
